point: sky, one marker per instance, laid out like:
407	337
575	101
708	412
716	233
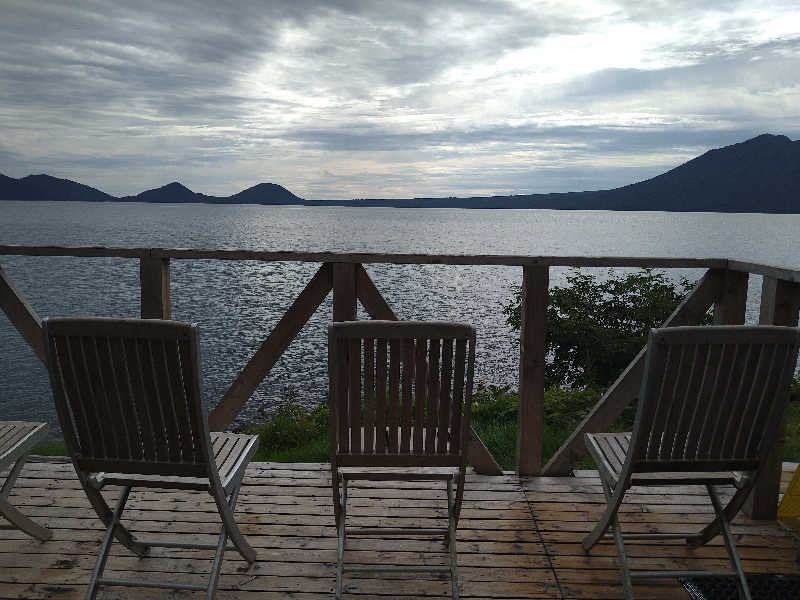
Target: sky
379	99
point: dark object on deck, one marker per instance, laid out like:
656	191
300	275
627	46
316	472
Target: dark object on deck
769	587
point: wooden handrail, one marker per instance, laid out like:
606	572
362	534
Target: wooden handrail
512	260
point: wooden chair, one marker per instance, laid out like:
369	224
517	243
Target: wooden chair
710	404
128	397
16	440
400	395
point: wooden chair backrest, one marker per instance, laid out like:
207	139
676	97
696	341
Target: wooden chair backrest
127	392
400	392
712	397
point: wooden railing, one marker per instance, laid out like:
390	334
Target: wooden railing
723	289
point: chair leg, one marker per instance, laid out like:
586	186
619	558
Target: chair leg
15	517
124	537
451	539
714	528
340	526
627	585
613	502
226	508
102	558
222	544
730	546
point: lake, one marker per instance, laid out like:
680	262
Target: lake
237	303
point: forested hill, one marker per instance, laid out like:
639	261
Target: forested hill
759	175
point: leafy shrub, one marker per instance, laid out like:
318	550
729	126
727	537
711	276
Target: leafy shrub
595	328
291	426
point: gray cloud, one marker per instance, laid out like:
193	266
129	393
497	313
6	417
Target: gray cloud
370	98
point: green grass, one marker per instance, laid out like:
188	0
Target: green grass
791	449
50	449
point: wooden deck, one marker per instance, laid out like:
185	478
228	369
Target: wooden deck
517	538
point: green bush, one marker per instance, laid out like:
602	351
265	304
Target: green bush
595	328
292	431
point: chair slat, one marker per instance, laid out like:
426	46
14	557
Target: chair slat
688	402
186	378
124	427
655	412
445	397
189	450
700	410
395	351
79	401
354	394
380	397
756	379
780	370
369	395
163	394
715	418
406	396
420	393
142	406
432	407
737	395
676	390
458	396
341	399
155	408
95	392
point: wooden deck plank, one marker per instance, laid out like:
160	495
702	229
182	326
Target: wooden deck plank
516	538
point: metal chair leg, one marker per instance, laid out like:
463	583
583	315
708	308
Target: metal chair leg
222	546
451	539
627	584
341	533
13	515
102	558
226	508
125	537
730	546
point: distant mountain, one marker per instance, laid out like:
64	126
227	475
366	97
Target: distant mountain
265	193
45	187
759	175
172	192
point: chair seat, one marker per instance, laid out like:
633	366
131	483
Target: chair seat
16	439
232	451
609	450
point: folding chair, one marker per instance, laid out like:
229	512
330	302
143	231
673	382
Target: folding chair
127	393
16	440
710	404
400	394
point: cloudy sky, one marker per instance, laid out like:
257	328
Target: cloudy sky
344	99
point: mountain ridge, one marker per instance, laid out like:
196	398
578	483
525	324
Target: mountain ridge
761	174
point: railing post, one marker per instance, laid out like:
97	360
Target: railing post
730	307
532	349
780	304
154	280
344	291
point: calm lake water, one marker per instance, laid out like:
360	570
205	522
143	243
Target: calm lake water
238	303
